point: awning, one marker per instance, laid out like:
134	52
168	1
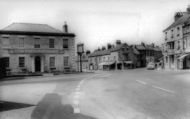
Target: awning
128	62
183	56
106	63
110	63
103	63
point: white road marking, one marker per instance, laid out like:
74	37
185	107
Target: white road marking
141	82
77	89
77	110
163	89
156	87
76	102
77	95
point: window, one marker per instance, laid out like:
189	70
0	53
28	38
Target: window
6	59
52	62
5	41
21	42
51	43
178	45
178	28
66	61
166	59
65	43
165	35
37	43
21	61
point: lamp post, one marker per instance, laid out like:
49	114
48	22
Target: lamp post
80	51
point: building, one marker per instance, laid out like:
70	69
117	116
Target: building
120	57
99	59
148	53
31	47
176	47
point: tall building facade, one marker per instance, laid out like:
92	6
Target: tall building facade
37	48
176	48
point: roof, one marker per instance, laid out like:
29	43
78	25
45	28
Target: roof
29	28
149	47
140	47
136	51
181	20
100	53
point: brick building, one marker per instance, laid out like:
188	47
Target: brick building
37	48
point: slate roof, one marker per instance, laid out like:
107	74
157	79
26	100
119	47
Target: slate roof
140	47
181	20
31	27
136	51
100	53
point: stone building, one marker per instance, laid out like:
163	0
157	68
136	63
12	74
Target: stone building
121	56
31	47
176	47
148	53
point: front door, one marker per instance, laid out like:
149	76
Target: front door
37	64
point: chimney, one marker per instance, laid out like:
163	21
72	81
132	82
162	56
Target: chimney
188	9
65	27
178	15
109	46
118	42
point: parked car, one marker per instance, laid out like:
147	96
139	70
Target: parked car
151	66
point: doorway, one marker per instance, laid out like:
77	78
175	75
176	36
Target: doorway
37	64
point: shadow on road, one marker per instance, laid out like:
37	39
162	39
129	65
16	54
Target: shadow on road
50	107
5	105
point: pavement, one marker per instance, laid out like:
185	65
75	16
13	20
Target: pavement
128	94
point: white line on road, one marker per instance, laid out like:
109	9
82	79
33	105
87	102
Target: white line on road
141	82
163	89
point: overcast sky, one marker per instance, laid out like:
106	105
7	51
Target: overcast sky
97	22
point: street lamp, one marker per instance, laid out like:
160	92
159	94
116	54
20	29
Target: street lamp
80	51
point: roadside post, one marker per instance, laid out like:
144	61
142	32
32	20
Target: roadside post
80	51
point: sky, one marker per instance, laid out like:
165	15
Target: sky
98	22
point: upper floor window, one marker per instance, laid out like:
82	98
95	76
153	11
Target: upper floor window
21	61
65	43
165	35
5	40
52	62
178	46
178	28
21	42
37	43
51	43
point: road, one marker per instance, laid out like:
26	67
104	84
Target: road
129	94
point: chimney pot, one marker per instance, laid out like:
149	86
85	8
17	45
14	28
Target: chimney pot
65	27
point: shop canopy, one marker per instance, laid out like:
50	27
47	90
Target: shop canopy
183	56
106	63
128	62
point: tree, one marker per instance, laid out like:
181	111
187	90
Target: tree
109	46
103	48
88	52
